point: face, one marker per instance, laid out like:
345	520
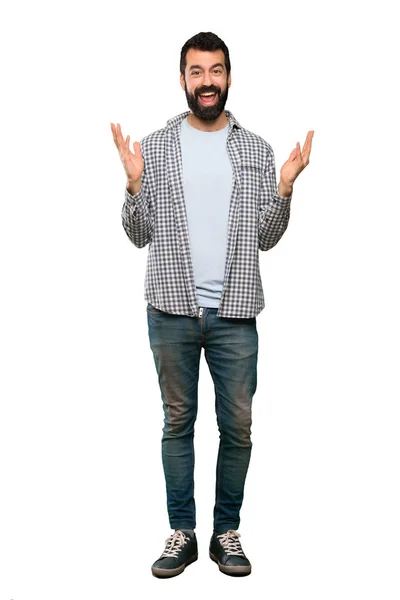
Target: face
206	83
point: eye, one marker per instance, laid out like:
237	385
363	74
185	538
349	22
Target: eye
195	72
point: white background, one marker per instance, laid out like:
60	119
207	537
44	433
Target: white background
83	510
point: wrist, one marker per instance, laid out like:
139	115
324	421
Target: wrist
285	189
133	186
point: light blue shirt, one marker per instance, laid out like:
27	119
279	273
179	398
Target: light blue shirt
207	186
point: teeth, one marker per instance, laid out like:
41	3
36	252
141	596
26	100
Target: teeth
208	94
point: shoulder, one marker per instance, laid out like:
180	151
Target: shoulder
155	142
255	150
249	141
253	141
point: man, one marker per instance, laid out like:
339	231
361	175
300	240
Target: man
202	193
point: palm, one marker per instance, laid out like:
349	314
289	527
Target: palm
297	161
132	161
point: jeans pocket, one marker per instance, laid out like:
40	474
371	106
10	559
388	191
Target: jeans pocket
152	310
239	320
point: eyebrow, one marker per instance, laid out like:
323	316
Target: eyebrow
212	67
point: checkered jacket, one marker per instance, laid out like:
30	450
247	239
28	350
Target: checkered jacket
156	215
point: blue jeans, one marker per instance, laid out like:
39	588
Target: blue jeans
231	350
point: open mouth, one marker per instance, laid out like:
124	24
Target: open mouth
208	99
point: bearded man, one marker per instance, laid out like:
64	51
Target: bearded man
202	193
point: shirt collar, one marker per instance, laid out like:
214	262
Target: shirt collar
176	121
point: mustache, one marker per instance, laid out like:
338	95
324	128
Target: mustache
204	90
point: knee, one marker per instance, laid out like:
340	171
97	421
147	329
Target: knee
236	431
178	423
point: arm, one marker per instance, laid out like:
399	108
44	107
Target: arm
274	209
136	214
136	217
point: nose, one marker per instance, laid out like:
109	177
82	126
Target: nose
207	81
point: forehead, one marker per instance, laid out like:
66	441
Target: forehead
203	58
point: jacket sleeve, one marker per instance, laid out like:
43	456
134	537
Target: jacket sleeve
274	209
136	214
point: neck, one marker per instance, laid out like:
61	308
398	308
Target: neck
219	123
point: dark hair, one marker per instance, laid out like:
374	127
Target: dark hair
205	41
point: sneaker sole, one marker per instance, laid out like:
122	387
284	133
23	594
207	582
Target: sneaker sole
238	570
164	573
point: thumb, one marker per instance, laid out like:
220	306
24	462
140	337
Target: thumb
136	147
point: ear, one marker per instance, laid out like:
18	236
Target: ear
229	80
182	81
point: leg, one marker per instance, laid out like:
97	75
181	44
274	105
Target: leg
175	342
231	351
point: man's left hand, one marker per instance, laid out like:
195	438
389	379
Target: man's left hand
297	161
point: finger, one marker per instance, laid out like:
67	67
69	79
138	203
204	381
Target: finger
136	147
307	143
114	133
120	137
300	157
293	154
117	136
124	144
307	146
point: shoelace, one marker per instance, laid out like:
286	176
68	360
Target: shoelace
174	544
230	542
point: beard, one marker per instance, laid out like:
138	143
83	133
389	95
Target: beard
207	113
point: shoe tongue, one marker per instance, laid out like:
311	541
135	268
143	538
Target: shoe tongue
189	532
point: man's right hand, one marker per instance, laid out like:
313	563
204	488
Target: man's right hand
132	162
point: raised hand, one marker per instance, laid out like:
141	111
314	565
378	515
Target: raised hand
132	162
297	161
